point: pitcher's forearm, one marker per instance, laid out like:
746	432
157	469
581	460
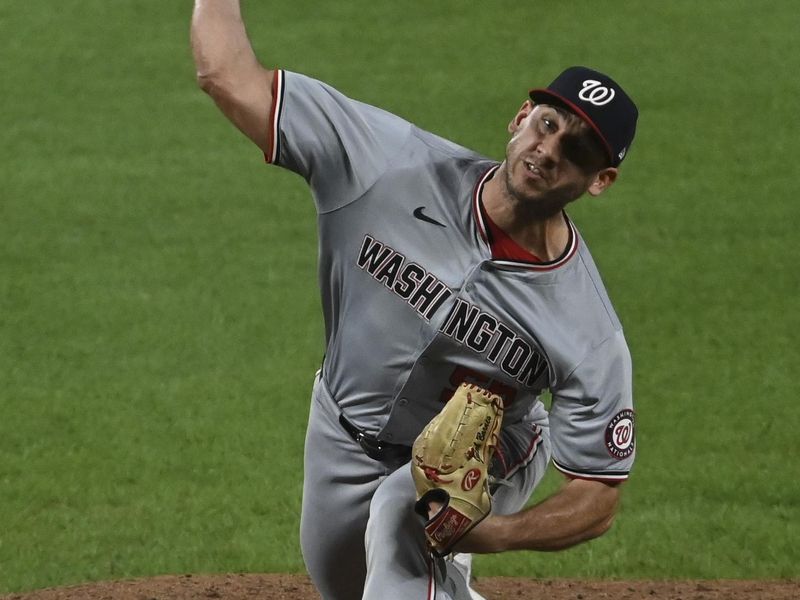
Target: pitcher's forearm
580	511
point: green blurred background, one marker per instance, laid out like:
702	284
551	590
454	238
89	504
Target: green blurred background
159	318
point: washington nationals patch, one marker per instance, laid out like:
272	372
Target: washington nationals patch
620	435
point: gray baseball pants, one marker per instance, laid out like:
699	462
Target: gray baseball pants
359	534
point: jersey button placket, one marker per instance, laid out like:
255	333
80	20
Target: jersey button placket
469	281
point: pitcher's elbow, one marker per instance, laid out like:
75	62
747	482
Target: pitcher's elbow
214	79
208	82
604	526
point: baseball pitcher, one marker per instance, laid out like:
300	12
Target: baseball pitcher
455	291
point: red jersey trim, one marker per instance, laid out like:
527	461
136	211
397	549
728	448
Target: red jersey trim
273	131
606	476
483	232
431	580
532	448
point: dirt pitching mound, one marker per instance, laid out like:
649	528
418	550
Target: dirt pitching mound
298	587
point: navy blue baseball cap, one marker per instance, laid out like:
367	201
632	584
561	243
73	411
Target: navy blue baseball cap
600	102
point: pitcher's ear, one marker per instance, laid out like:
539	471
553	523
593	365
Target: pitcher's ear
603	180
521	115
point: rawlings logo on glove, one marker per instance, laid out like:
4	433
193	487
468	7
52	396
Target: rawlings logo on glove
450	462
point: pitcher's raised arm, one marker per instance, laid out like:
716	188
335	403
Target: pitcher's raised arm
228	70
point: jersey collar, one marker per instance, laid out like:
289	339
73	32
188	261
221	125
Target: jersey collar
480	217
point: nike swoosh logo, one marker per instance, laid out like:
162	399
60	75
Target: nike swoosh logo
423	217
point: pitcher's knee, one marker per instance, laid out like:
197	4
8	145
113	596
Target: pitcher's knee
393	524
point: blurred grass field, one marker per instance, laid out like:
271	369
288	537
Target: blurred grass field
159	318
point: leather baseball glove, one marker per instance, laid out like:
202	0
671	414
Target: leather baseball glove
450	462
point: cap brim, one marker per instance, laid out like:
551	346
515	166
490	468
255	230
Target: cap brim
544	96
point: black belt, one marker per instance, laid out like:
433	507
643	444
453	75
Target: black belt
372	446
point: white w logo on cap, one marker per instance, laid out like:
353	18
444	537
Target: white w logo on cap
596	93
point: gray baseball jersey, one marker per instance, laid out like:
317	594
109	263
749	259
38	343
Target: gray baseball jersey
414	302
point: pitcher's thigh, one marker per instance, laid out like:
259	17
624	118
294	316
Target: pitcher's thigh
399	566
338	483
